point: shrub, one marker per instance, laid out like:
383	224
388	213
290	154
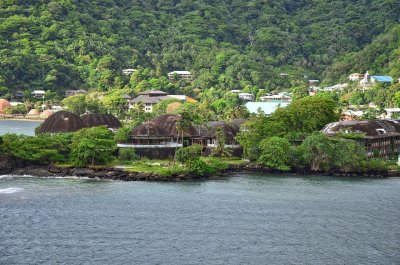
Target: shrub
127	154
185	155
275	153
199	168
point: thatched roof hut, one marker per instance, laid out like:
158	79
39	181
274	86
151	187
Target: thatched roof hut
371	129
33	112
94	120
169	123
237	123
45	114
211	130
61	122
149	133
4	104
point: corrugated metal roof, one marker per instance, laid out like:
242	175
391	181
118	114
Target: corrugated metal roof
268	107
382	78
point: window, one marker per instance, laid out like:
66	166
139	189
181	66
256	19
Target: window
380	131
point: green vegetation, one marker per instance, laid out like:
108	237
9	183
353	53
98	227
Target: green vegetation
59	45
92	146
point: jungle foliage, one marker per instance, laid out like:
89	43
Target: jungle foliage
59	45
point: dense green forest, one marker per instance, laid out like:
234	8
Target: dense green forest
231	44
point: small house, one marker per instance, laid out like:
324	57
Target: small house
246	96
356	77
128	71
69	93
181	74
39	94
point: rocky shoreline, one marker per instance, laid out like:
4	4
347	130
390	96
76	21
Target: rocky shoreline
111	173
13	166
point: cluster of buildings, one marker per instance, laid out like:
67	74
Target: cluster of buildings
160	137
366	80
148	99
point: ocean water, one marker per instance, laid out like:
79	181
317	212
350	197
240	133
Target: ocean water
18	126
243	219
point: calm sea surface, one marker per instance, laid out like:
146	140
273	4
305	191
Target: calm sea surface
20	127
245	219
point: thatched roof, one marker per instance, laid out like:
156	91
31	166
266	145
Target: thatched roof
45	114
237	123
149	130
169	123
61	122
371	129
210	130
4	104
94	119
33	112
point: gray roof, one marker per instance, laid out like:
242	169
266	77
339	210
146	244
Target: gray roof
371	129
146	99
153	92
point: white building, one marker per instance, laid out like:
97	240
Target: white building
38	94
246	96
356	77
181	74
128	71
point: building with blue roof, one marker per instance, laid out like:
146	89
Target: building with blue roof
381	79
267	107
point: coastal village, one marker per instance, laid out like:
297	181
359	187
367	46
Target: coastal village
159	137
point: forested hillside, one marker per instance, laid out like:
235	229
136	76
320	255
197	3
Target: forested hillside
230	44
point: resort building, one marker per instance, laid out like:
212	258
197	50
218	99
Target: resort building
61	122
148	99
160	137
95	119
181	74
65	122
381	138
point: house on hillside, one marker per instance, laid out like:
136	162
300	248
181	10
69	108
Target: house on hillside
148	99
380	138
128	71
181	74
69	93
369	81
39	94
246	96
356	77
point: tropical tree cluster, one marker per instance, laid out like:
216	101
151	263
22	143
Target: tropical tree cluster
89	146
58	45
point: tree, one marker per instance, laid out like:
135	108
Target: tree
300	92
92	146
275	153
186	155
219	149
348	155
318	152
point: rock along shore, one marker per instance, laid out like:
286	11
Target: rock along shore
12	166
